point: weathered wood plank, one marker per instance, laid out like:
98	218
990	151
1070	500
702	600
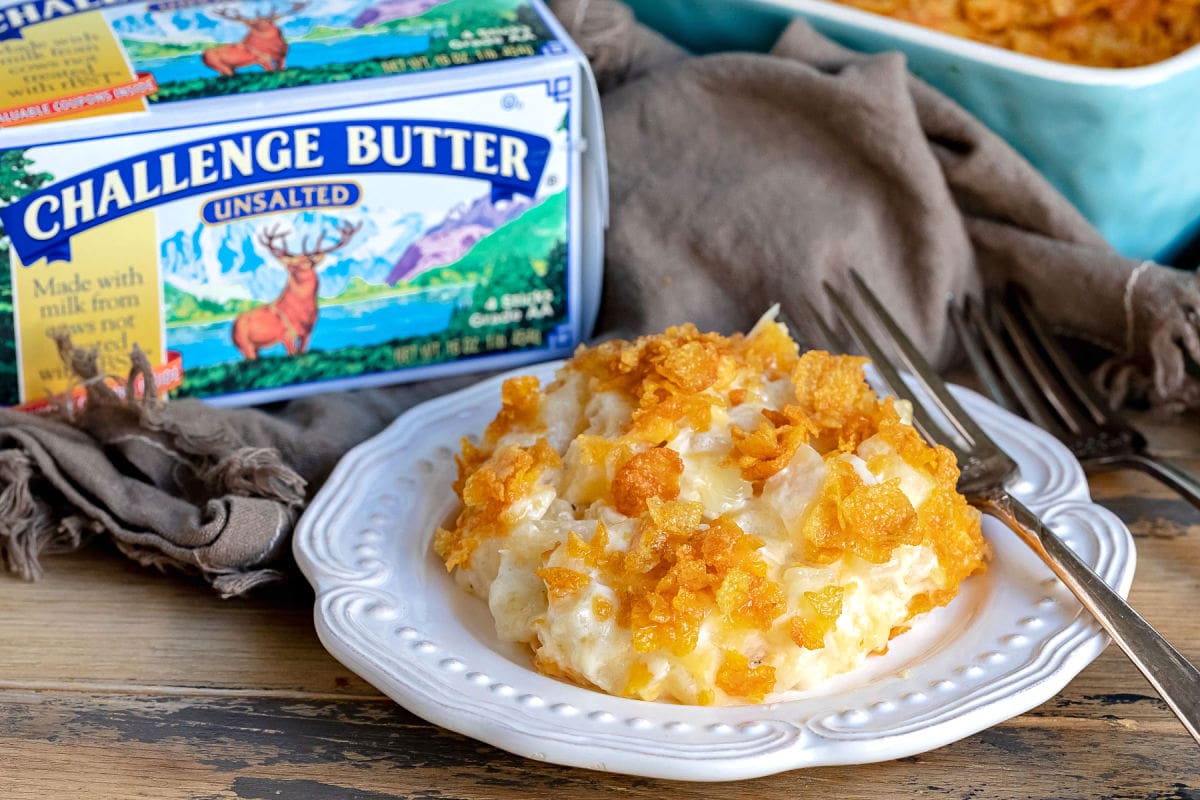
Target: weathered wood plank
98	620
106	746
1177	436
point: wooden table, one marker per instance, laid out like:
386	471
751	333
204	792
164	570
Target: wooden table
117	682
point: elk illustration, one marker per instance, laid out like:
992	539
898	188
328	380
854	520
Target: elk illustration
288	319
263	44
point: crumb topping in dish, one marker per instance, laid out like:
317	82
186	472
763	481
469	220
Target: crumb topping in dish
1092	33
706	519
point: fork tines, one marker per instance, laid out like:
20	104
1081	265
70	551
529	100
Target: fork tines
1024	369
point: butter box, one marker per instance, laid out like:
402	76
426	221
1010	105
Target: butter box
275	199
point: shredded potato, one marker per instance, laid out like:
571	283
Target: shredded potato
1093	33
707	520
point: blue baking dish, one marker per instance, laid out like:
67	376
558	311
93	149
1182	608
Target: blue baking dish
1122	144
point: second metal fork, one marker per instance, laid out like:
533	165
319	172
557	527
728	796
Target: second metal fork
1025	370
985	472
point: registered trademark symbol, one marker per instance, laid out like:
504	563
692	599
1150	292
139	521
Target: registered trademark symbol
510	102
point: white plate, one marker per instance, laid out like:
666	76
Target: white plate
387	610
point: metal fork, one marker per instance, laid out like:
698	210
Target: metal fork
1037	378
985	472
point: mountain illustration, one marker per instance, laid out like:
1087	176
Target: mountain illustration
178	28
181	256
454	236
201	26
512	249
388	10
227	262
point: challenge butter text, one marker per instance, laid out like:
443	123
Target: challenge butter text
115	189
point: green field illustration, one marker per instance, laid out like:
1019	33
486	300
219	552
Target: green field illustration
243	47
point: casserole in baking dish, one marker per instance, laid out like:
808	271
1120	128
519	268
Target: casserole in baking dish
1122	144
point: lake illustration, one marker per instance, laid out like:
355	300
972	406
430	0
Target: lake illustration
364	323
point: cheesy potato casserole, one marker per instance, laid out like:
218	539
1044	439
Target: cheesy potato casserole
706	520
1093	33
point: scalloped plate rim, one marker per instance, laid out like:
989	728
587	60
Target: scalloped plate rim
812	748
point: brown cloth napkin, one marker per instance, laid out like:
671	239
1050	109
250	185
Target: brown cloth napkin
737	181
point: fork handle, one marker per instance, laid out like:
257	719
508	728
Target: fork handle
1167	471
1176	680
